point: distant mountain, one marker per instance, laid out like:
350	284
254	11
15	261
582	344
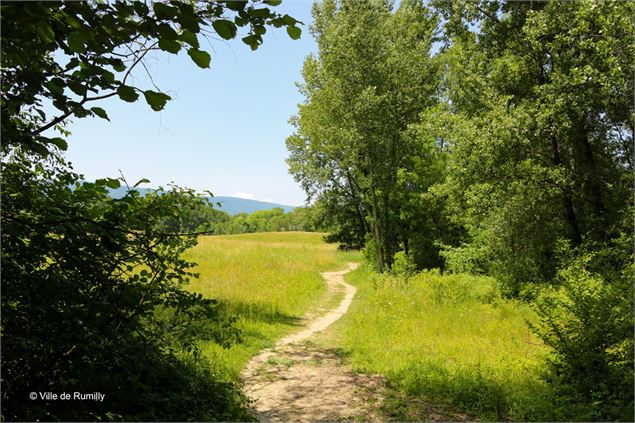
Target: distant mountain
235	205
231	205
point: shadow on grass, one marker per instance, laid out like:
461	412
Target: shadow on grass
259	312
470	390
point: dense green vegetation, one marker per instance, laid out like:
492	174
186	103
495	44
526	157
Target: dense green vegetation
93	288
489	140
208	219
89	283
506	150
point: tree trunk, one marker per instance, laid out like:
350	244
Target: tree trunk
379	244
363	228
586	172
574	229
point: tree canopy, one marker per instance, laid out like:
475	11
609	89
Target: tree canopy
371	79
507	149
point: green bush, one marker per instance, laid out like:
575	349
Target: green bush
94	300
588	321
403	265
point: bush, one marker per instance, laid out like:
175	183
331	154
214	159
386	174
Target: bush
369	252
588	321
403	265
91	289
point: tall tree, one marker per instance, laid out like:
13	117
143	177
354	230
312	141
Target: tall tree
372	77
540	127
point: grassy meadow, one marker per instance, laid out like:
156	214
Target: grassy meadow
444	338
268	281
448	339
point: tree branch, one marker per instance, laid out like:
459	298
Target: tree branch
86	99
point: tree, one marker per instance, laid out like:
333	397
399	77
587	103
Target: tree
539	125
94	300
539	129
372	78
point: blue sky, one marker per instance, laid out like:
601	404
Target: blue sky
224	129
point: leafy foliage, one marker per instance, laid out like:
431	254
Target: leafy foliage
540	129
81	52
93	299
372	78
94	295
588	322
511	142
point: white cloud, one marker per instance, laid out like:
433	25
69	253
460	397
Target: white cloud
245	195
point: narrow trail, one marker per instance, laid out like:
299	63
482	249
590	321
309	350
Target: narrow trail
300	381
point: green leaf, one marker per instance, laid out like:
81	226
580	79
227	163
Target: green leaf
163	11
226	29
127	93
77	87
200	57
259	13
38	149
76	42
272	2
59	143
72	21
118	65
170	46
166	32
112	183
56	86
260	30
141	181
241	21
141	8
107	76
294	32
236	5
190	38
289	20
45	32
156	100
188	21
100	112
251	41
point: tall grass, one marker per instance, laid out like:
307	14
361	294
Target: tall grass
267	281
449	338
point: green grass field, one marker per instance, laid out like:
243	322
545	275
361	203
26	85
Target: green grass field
449	339
267	280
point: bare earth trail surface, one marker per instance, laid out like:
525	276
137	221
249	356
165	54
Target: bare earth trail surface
300	381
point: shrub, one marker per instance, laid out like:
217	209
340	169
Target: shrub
588	321
403	265
91	289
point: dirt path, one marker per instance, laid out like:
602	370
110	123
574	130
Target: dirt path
300	381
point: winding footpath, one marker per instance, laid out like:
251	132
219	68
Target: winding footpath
300	381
